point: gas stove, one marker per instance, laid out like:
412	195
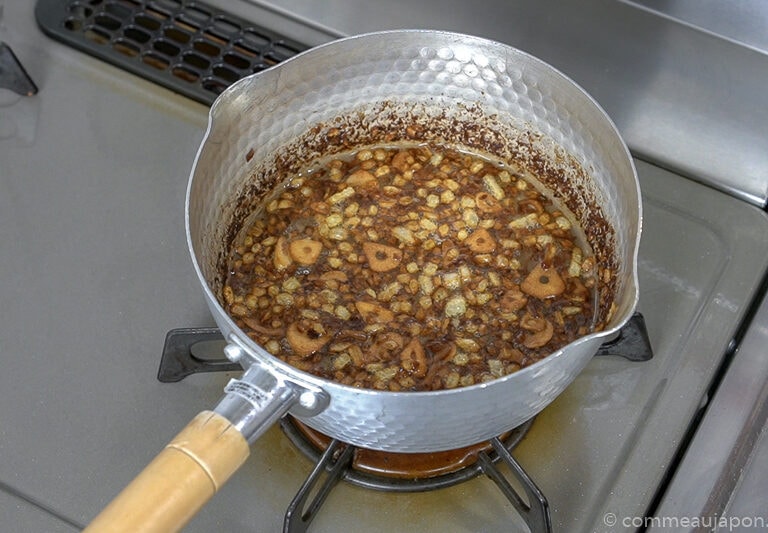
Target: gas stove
94	271
188	351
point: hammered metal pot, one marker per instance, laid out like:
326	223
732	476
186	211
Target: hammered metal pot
425	86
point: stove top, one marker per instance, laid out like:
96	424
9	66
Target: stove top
94	271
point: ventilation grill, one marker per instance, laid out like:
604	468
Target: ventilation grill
188	47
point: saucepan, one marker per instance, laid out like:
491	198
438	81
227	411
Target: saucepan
430	86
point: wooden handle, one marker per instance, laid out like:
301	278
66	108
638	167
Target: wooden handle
179	481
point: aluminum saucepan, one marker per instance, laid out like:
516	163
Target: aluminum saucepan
412	84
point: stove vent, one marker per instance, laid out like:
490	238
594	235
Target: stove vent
189	47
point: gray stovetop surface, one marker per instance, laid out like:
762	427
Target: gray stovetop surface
743	22
687	99
94	271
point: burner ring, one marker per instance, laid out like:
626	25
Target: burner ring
394	472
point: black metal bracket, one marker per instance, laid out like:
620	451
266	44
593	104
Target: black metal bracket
535	512
12	74
331	467
181	358
632	342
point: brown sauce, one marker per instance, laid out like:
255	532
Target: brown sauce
411	267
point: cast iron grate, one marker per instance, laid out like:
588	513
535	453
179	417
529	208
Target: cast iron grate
336	463
188	47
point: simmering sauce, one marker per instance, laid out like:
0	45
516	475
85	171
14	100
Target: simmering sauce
411	267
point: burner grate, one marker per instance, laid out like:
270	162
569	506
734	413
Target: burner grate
402	472
188	47
335	461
